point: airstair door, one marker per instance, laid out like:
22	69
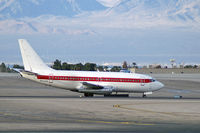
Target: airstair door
142	82
50	78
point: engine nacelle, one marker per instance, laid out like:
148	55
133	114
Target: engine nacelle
105	90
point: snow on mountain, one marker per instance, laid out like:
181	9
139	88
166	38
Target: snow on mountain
176	10
34	8
44	16
82	16
151	13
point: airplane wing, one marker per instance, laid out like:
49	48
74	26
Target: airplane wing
95	89
92	86
23	71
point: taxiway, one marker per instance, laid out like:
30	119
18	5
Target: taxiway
29	106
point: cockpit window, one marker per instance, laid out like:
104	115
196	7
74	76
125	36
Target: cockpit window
153	80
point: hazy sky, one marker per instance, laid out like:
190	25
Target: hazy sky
114	31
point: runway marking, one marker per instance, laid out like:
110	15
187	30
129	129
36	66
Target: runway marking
114	122
143	110
83	121
123	106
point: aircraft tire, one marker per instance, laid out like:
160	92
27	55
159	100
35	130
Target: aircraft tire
144	96
88	94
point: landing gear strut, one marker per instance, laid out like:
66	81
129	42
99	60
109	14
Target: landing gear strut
144	95
88	94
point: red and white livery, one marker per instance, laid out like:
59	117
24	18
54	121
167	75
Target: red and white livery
86	82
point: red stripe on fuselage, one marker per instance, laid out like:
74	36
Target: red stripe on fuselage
95	79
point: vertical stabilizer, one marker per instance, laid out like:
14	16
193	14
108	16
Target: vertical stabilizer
32	62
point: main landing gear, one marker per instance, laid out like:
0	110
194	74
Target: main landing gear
88	94
144	95
116	95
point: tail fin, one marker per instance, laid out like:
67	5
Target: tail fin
32	62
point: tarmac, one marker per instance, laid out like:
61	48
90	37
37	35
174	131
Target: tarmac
26	106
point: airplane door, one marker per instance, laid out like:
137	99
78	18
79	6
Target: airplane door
50	78
142	82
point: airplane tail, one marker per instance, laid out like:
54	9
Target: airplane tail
32	62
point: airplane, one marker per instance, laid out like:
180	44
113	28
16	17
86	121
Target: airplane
87	82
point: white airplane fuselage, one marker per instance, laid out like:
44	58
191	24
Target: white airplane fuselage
84	81
119	82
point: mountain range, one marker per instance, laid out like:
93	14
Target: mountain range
13	9
174	9
78	16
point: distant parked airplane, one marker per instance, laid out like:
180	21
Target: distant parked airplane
87	82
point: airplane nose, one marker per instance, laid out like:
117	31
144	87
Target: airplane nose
159	85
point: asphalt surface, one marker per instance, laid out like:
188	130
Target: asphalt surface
29	106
